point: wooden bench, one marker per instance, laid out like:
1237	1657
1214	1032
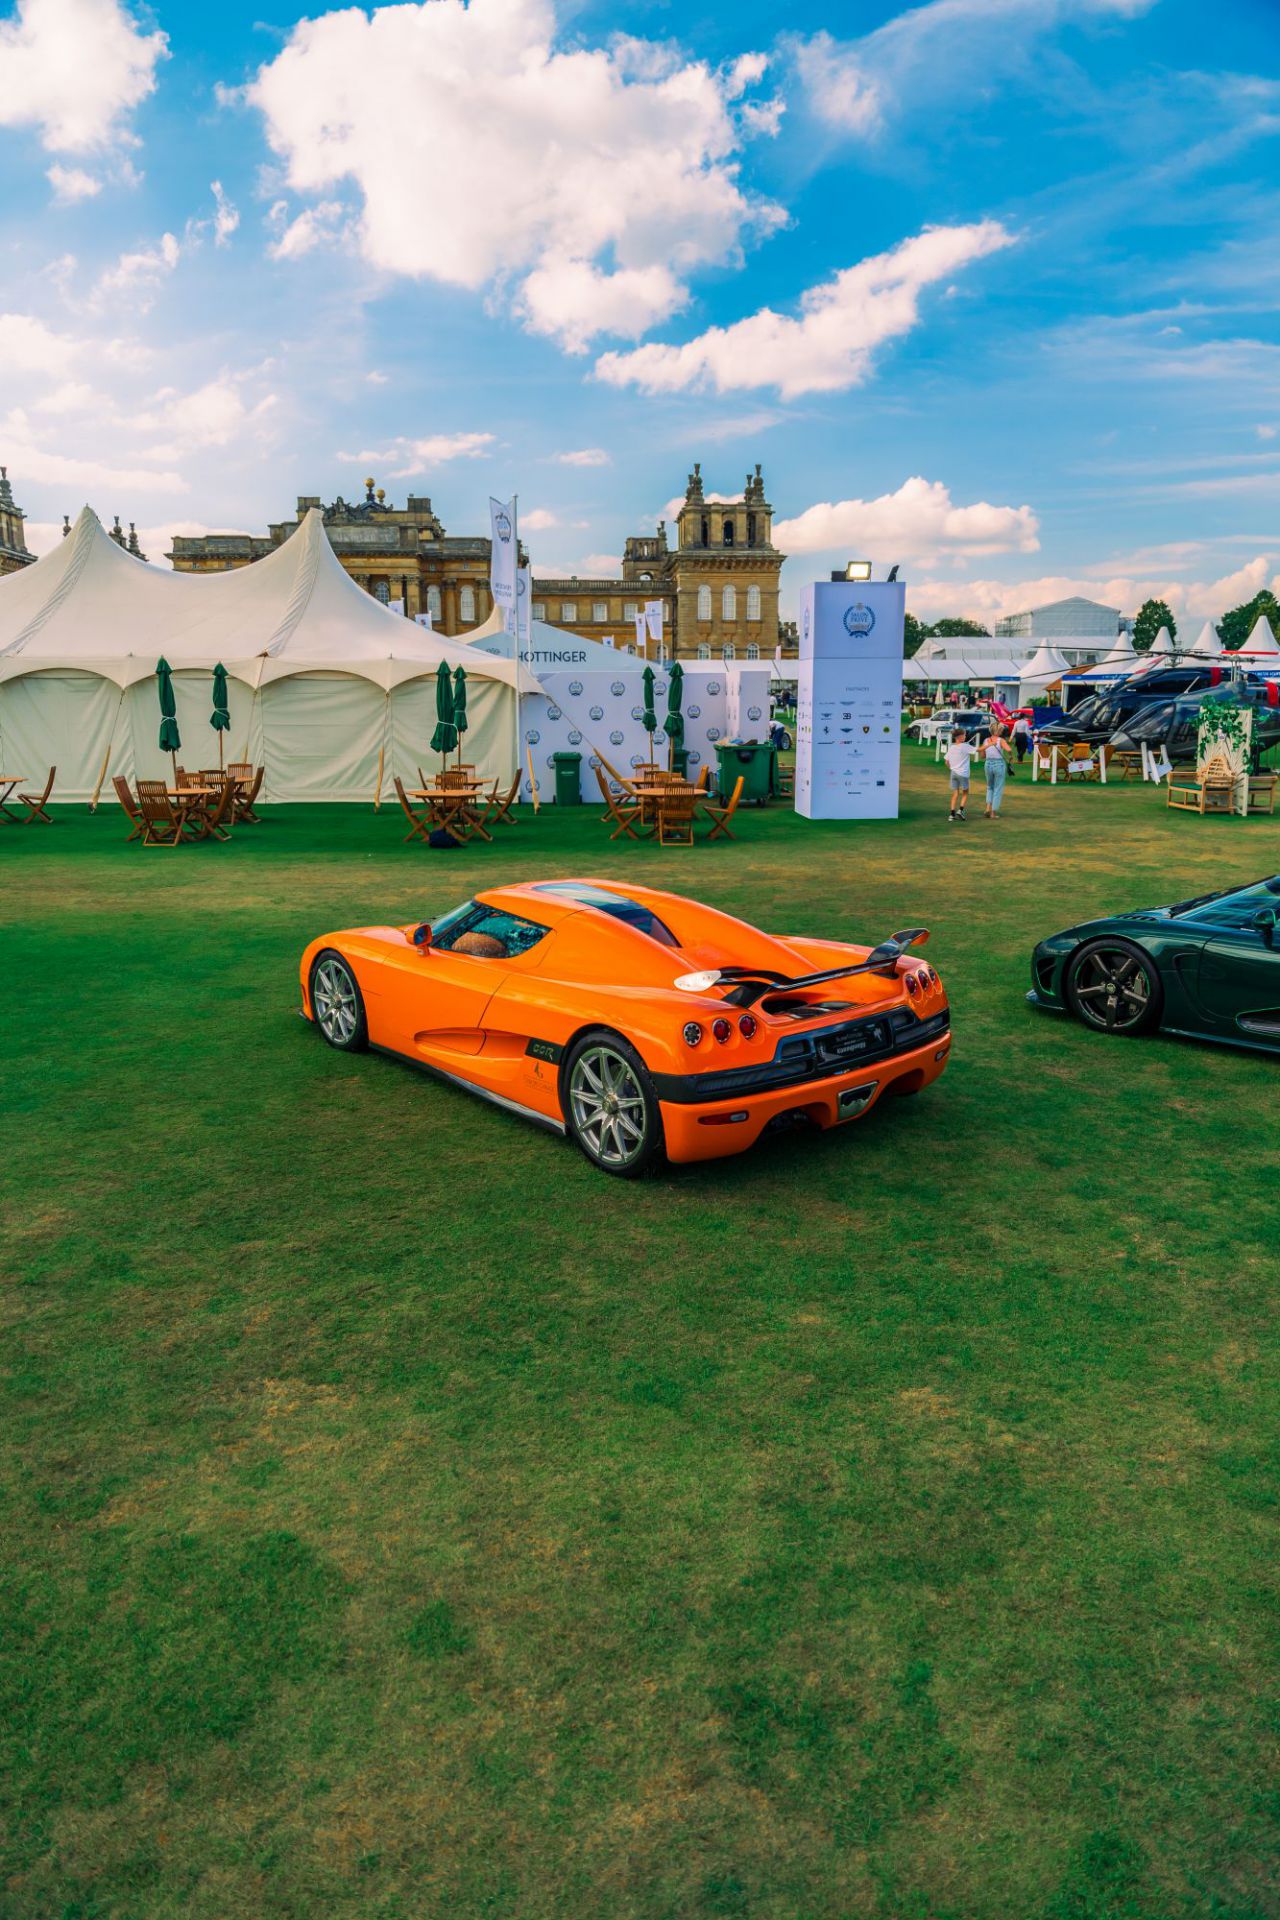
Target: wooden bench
1212	790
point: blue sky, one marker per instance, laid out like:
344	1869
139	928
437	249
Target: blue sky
989	287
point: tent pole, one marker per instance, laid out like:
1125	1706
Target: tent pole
106	758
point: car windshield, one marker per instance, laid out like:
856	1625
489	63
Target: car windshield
617	906
487	933
1235	908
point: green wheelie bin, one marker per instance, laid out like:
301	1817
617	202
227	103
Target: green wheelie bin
568	779
753	760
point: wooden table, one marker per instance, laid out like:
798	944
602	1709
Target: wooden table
651	793
193	803
453	809
8	781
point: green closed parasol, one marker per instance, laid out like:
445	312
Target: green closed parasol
649	718
445	737
673	725
220	718
460	705
170	741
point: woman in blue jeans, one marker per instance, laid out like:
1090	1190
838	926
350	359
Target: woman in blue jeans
996	755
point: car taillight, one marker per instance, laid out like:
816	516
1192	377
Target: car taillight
692	1033
721	1029
933	978
747	1026
913	985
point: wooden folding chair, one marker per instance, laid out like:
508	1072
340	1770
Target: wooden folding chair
675	807
241	770
242	806
419	823
721	816
786	781
225	806
624	816
500	805
124	795
34	803
704	780
163	824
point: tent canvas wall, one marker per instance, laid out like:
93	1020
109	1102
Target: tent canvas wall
333	693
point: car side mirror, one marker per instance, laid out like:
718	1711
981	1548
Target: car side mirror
421	936
1264	922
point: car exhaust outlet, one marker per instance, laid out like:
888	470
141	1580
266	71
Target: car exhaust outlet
854	1099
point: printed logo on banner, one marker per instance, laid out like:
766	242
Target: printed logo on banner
615	740
502	525
637	759
553	713
575	738
551	759
694	713
753	713
713	686
637	713
693	757
597	713
532	737
575	688
713	733
592	762
858	619
617	688
659	688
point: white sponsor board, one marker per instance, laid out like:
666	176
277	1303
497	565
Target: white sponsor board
850	688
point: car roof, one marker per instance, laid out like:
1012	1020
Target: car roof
550	901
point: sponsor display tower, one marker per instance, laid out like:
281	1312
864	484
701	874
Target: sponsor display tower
850	693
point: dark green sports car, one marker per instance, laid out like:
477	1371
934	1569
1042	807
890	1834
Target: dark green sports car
1208	967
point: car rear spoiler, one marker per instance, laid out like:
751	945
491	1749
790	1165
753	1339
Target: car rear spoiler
747	985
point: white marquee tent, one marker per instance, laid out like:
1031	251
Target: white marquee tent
1262	642
330	691
1207	642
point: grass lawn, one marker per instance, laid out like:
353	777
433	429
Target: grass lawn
402	1519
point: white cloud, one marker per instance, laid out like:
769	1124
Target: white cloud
583	457
226	217
944	52
538	521
72	183
830	346
1266	432
1189	599
28	346
212	415
315	227
598	178
45	467
404	458
919	521
136	274
75	69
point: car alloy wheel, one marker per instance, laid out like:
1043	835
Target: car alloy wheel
336	1001
610	1108
1114	988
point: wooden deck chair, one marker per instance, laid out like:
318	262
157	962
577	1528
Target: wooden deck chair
704	780
224	806
243	813
124	794
721	816
419	823
1262	792
163	824
675	806
454	777
623	814
500	804
241	770
786	781
35	802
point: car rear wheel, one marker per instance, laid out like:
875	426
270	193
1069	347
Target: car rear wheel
610	1106
1113	986
336	1003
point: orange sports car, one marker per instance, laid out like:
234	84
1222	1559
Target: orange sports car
638	1022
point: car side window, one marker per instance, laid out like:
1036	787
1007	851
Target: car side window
486	933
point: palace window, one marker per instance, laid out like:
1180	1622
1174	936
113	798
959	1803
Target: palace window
728	533
706	531
753	603
433	602
382	591
728	651
539	609
467	605
753	651
751	529
704	650
568	609
729	604
600	610
630	608
704	605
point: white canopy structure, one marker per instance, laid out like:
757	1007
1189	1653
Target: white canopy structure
331	692
1045	665
1262	642
1207	642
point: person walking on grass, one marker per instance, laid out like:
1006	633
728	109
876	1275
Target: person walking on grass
1022	736
996	754
959	754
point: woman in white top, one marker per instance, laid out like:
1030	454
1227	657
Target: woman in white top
996	754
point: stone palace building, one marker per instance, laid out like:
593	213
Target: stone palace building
718	585
13	542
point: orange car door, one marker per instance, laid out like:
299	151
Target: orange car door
435	1002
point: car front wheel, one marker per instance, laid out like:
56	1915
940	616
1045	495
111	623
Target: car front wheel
610	1106
1113	986
337	1004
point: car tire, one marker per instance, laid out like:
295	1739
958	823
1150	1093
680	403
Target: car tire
337	1005
1098	967
624	1139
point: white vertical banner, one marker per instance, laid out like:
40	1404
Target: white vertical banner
641	630
503	549
424	620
